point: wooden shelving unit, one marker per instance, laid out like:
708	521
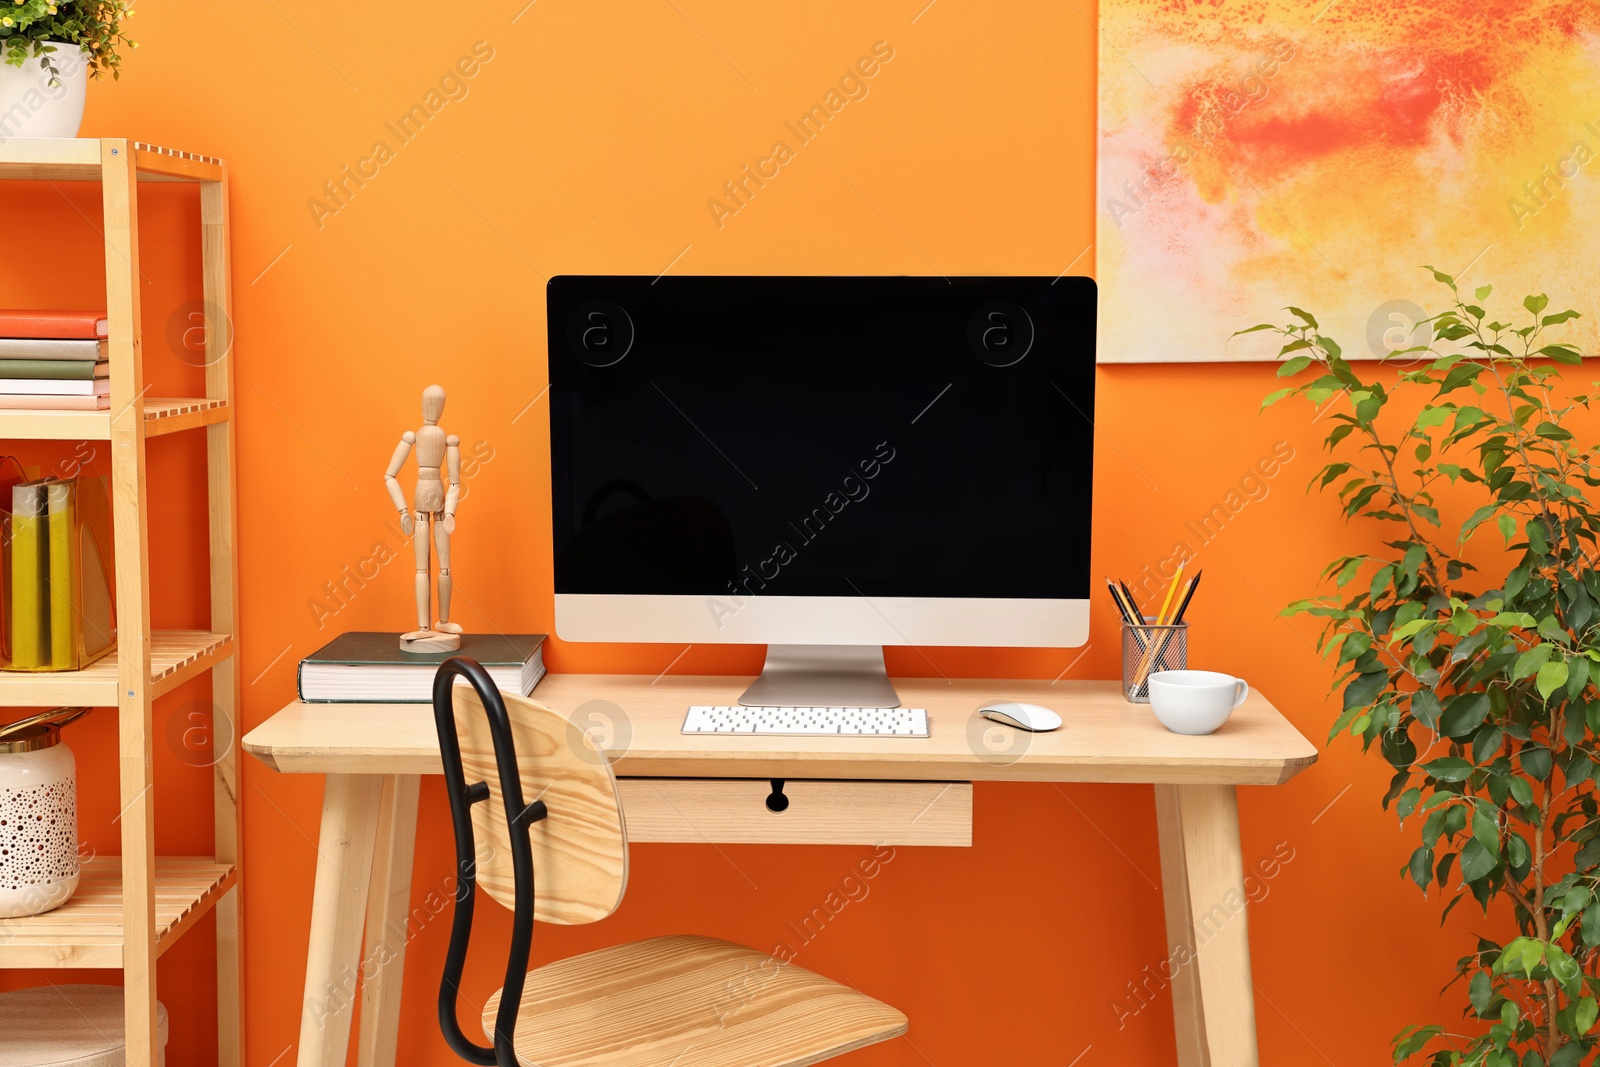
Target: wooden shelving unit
129	909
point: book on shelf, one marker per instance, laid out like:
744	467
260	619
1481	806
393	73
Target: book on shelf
55	386
36	402
59	582
56	349
52	324
30	577
70	369
369	668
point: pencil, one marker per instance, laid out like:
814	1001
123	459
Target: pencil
1128	612
1158	644
1183	605
1177	576
1165	638
1133	601
1116	598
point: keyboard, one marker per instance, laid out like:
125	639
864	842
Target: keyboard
806	722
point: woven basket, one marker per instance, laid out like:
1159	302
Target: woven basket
68	1026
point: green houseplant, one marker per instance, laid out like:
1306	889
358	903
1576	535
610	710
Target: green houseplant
40	29
1480	692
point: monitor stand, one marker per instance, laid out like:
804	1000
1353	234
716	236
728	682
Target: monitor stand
822	676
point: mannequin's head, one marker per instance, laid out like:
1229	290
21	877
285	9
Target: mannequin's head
432	404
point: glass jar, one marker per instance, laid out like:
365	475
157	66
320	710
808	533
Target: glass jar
38	821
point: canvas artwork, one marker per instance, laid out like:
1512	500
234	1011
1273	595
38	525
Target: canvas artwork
1261	153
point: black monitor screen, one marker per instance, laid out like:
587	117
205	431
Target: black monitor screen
881	437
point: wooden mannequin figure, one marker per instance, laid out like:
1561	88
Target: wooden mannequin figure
432	505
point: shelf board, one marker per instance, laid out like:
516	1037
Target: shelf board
77	159
86	931
175	657
182	413
161	416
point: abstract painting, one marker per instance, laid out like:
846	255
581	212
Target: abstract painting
1260	153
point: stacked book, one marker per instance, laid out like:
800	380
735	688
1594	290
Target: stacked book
369	668
54	359
59	608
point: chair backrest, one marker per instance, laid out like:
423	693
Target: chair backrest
529	796
580	849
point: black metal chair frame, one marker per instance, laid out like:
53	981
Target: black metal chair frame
462	797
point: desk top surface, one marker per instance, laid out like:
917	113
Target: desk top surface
638	720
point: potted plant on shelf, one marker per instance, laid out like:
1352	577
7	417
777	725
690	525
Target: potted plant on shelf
49	50
1478	686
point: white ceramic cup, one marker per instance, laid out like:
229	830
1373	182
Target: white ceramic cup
1195	702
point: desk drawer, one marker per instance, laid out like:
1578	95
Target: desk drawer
819	812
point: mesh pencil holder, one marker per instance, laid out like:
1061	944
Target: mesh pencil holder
1148	648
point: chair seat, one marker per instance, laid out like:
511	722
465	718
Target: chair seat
689	1001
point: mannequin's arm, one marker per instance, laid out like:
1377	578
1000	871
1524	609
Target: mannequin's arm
452	496
392	482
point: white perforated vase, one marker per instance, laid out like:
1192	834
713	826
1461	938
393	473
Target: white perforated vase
38	822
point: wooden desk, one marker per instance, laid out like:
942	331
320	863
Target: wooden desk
700	788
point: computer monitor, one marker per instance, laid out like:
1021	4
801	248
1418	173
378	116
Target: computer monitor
825	465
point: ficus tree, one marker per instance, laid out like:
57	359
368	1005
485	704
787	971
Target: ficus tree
1478	687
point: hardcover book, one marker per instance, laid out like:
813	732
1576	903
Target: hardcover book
56	386
30	577
37	402
68	369
369	668
59	584
52	348
36	323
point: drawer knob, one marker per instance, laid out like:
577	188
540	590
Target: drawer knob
777	803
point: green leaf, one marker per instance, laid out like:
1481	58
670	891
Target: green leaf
1365	689
1408	1043
1532	660
1425	706
1407	802
1476	861
1568	1055
1480	991
1531	955
1589	925
1486	832
1552	676
1584	1015
1274	397
1464	714
1508	527
1562	354
1441	277
1421	867
1305	316
1536	304
1564	969
1521	791
1453	768
1536	762
1294	366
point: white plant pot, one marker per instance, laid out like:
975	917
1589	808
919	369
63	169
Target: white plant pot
31	107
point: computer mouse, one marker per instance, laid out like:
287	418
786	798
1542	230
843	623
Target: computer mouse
1023	716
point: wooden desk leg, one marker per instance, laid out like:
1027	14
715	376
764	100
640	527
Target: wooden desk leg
350	805
388	905
1208	933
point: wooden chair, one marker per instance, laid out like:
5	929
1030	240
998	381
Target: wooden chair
684	1001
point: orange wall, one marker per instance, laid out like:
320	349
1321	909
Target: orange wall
591	142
